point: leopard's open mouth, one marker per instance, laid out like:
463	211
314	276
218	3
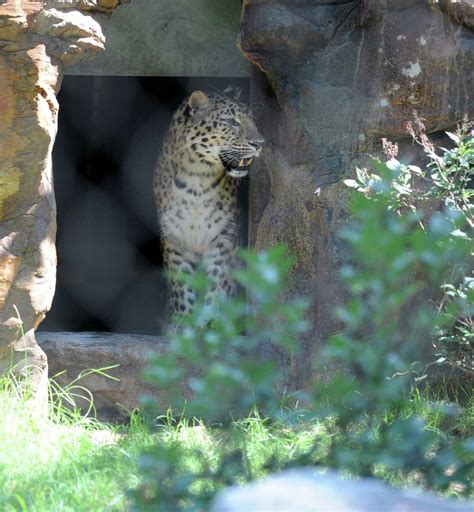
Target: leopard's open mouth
238	169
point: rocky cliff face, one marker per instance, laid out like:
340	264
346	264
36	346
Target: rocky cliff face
335	78
37	39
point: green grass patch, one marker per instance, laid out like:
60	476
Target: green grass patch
66	462
70	463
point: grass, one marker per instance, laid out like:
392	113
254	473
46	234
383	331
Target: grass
260	439
66	462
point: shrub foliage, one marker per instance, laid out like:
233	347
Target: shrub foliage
411	240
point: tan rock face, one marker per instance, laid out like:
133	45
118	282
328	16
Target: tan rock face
36	40
337	77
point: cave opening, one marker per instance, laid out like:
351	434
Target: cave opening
110	274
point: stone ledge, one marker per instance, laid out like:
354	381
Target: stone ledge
70	353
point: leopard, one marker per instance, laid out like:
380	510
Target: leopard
210	144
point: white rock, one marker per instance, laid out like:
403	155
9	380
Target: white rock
307	490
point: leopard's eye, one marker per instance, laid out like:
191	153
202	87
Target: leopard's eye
232	122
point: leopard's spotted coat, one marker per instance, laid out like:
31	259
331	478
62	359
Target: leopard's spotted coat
208	147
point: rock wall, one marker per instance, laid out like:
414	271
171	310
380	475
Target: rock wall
334	78
180	38
37	39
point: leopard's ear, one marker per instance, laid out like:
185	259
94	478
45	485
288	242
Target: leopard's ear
199	102
233	92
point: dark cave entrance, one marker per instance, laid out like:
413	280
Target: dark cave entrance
110	273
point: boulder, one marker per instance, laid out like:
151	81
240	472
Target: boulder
78	360
307	490
335	77
37	39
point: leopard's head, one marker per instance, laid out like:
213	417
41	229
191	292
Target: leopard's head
221	132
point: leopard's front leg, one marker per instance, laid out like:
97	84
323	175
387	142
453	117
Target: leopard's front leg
219	263
181	297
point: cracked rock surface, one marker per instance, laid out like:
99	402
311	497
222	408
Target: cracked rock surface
335	77
37	39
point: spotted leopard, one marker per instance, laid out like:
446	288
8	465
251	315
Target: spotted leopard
209	146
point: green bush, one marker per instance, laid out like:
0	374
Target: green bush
402	253
440	195
405	247
215	356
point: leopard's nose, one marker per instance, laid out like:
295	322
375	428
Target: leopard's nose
257	144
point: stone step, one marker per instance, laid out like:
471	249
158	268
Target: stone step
71	354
